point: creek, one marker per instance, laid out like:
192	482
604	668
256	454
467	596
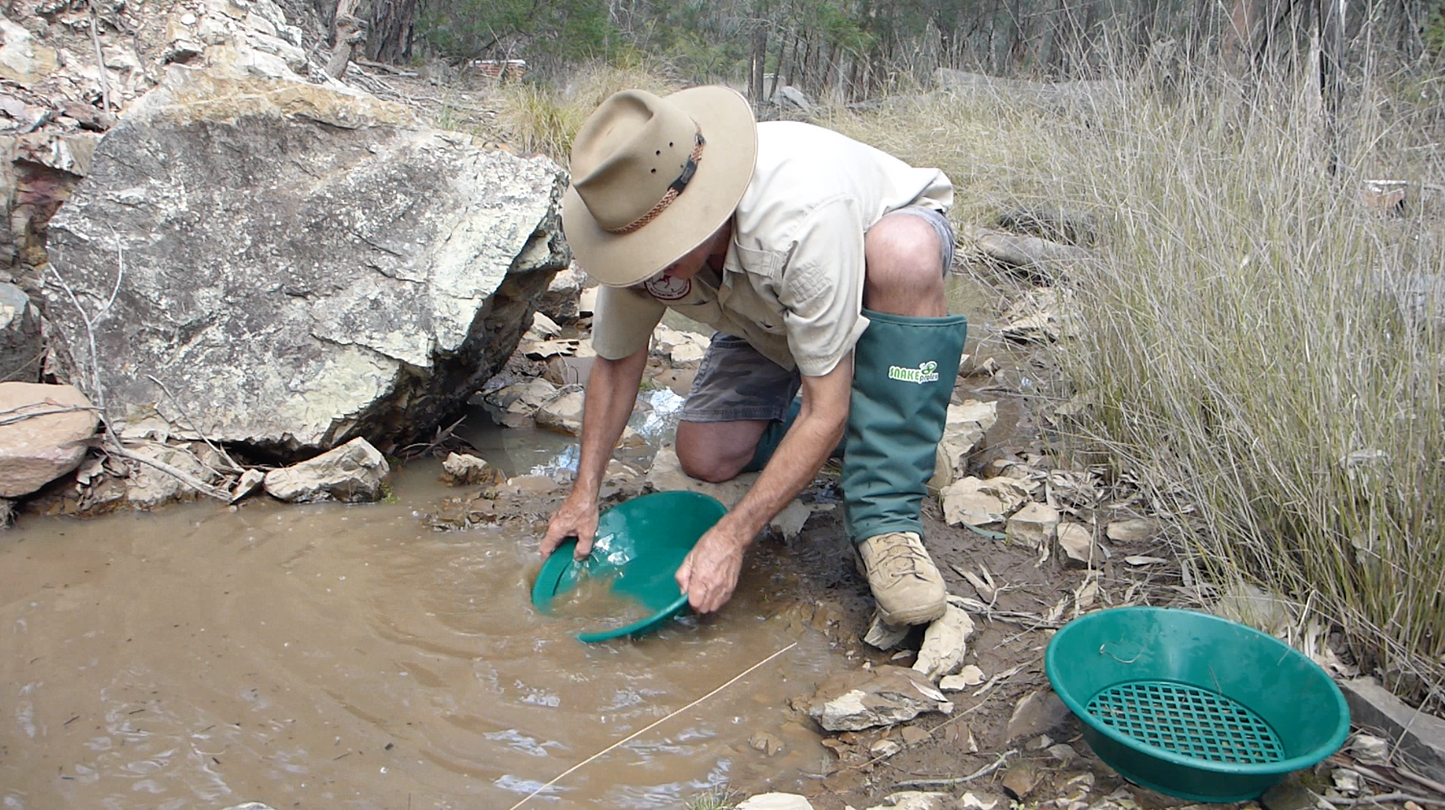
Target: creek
334	656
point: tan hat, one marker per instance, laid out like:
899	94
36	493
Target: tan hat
654	177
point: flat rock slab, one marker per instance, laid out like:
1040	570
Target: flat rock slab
39	449
1036	714
883	696
945	643
1421	737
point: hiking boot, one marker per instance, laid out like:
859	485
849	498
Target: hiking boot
905	582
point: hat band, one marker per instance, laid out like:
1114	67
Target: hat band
673	190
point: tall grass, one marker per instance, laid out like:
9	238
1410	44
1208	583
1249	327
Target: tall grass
1257	341
541	117
1260	345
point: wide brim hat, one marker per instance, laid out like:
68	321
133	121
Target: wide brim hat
653	177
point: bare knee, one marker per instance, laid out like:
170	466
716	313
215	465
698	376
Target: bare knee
905	270
716	451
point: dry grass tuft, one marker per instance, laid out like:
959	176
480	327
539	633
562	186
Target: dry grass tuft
1258	342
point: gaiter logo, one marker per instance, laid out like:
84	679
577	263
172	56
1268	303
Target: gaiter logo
926	372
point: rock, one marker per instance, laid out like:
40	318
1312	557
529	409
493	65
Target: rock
22	59
789	522
972	801
518	402
1134	530
41	448
530	486
543	328
21	347
979	502
945	643
149	487
966	677
776	801
1367	749
465	469
883	696
1346	781
913	735
587	302
251	806
1077	543
767	743
680	347
963	429
1419	737
1062	752
559	302
884	748
916	800
1289	795
1020	779
563	411
347	271
788	95
1033	525
250	480
666	474
884	636
1035	714
352	473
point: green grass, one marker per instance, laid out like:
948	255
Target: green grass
718	798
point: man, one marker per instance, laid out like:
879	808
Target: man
820	261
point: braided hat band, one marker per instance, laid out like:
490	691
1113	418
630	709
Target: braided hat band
688	170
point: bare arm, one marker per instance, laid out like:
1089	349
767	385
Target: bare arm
710	572
611	394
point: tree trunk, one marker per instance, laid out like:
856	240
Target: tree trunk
758	62
389	37
346	33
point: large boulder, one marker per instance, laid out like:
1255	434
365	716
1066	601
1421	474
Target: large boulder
21	348
45	435
298	265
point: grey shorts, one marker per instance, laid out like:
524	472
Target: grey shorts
735	382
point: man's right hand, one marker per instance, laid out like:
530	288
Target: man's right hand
576	517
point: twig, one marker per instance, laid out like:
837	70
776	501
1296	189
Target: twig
234	466
13	416
1417	778
650	727
925	784
99	61
175	472
1386	797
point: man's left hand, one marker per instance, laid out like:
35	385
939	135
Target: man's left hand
710	572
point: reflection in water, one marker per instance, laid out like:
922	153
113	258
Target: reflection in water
327	655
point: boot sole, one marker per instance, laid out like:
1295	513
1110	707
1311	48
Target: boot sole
916	616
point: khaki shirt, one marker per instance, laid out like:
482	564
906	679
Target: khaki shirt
792	283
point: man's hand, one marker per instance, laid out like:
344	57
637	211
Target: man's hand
710	571
577	517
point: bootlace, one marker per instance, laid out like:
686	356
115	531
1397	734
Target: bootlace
902	558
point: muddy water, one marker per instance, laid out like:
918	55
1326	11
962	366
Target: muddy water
332	656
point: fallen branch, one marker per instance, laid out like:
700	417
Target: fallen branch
224	455
927	784
99	61
10	417
1385	797
180	475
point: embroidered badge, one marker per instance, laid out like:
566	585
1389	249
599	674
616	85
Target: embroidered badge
668	288
925	373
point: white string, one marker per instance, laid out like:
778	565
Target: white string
634	735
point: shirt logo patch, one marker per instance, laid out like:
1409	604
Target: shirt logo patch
668	288
926	372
